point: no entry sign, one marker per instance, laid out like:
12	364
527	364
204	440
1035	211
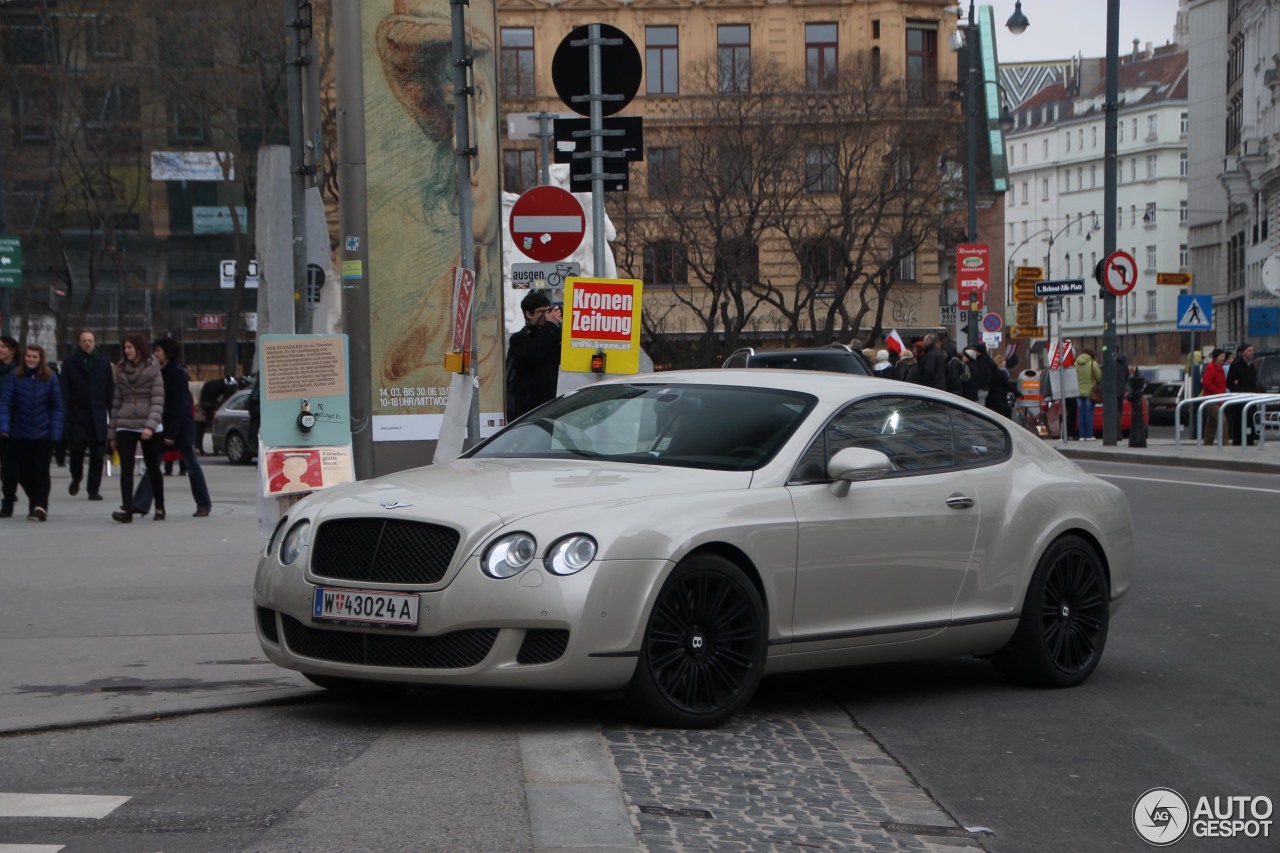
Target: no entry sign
547	223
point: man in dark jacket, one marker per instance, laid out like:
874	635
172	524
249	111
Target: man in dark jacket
212	395
179	430
88	387
1242	378
534	355
933	369
8	363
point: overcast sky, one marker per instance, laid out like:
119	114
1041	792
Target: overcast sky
1060	29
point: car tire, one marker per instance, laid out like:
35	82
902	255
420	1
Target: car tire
1063	627
355	688
704	646
237	448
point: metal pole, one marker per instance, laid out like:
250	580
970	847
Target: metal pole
971	47
462	91
294	60
596	90
4	291
353	223
544	145
1111	413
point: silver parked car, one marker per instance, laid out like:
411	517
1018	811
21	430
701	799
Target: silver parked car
681	535
231	430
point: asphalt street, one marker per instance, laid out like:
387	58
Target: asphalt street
119	641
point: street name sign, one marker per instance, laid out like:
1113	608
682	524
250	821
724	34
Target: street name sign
1065	287
10	260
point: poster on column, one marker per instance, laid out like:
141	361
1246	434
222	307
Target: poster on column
413	243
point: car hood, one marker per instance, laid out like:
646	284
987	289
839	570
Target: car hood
509	489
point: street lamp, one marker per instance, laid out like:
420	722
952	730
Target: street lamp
1048	265
1017	23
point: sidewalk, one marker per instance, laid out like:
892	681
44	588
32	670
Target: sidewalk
1164	451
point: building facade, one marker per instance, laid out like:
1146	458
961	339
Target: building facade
1054	209
811	69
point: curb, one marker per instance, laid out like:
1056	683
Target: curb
1194	459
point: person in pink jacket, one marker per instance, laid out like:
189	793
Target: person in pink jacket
137	415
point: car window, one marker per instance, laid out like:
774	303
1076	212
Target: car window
917	435
1269	371
701	426
833	361
738	359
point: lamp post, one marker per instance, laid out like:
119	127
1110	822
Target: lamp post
1048	265
1110	414
1017	23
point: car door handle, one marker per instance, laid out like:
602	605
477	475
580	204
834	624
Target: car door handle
960	502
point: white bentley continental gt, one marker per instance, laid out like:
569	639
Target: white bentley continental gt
677	536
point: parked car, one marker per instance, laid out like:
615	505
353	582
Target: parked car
1268	368
1126	417
1162	401
836	358
677	536
231	430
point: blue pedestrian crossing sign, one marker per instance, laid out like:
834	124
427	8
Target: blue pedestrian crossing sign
1195	311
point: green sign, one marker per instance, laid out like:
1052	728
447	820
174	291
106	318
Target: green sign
10	260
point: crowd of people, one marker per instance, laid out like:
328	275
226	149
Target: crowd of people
972	373
88	406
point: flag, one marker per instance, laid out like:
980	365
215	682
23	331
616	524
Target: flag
1068	354
894	342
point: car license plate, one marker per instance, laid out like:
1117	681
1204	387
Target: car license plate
364	607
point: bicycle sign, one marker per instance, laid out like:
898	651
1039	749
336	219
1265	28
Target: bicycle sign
540	276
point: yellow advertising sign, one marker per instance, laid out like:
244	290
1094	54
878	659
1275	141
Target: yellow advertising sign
1027	332
1179	279
1024	290
1026	314
1033	273
601	318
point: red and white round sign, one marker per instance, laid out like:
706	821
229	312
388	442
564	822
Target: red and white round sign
547	223
1119	273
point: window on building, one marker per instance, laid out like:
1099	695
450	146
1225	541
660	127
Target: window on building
906	269
822	261
1182	165
1151	302
1182	123
1066	180
1066	264
662	60
517	61
737	262
1079	177
1024	152
1184	256
28	40
1025	194
185	124
1011	198
32	109
1080	263
733	57
519	169
1093	307
1133	168
820	168
1151	167
922	60
1149	214
875	65
1133	216
1080	307
1012	160
1135	130
192	50
1066	304
1044	189
666	264
1151	127
875	29
1151	259
1182	212
1120	137
1045	146
735	170
821	46
663	172
1012	238
1068	140
106	37
1093	176
112	116
1119	217
1080	138
1093	136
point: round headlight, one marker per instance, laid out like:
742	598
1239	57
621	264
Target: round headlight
509	556
294	541
570	554
275	535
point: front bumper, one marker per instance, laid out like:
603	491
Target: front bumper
535	630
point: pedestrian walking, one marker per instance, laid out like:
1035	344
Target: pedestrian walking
137	415
1089	379
907	369
179	431
957	372
933	367
8	363
533	355
999	386
1242	378
1213	380
882	367
88	388
31	421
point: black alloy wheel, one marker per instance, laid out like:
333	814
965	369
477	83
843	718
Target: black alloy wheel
704	647
1063	627
237	449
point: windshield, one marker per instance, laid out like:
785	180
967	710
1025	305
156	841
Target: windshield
833	361
699	426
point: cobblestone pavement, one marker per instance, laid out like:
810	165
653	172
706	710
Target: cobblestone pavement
789	773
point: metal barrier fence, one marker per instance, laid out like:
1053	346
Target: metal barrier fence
1264	409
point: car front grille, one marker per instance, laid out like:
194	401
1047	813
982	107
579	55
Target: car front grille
267	624
455	650
542	646
377	550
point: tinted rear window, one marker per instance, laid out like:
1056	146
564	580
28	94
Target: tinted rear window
833	362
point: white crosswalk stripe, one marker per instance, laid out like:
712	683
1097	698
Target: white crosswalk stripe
89	806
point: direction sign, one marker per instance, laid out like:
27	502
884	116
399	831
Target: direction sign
1195	311
10	260
973	268
1024	290
547	223
1026	314
619	63
1036	273
1119	273
1065	287
1027	332
1177	279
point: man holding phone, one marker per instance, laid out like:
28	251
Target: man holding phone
533	356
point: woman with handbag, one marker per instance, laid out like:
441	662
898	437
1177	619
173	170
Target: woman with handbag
1089	377
137	418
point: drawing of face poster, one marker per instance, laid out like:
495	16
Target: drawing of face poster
414	240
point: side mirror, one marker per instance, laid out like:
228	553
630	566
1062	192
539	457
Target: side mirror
854	464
